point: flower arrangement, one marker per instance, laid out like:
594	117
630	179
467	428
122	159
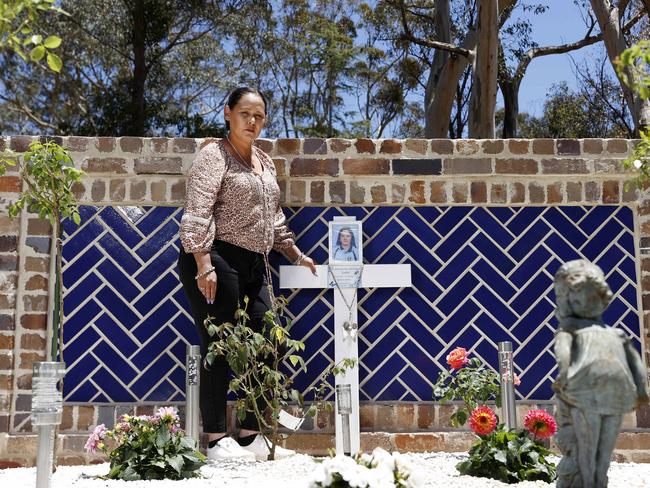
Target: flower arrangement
468	380
380	469
148	447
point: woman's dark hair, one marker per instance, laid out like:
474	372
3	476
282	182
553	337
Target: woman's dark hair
236	95
349	231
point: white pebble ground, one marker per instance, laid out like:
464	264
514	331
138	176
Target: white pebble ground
437	469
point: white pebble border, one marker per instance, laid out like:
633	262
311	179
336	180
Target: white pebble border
436	469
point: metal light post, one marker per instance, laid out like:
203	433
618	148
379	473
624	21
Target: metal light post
192	384
47	410
344	408
506	373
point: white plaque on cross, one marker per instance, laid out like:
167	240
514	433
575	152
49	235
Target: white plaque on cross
346	343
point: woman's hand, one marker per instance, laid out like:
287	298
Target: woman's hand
208	286
309	263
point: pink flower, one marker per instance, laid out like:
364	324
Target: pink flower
483	420
540	423
457	358
96	439
516	379
169	414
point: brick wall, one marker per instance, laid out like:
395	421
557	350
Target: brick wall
146	171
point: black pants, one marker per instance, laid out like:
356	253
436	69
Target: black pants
240	273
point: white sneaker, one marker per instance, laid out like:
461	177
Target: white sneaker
261	451
228	448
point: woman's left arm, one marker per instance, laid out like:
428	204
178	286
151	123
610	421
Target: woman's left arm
284	241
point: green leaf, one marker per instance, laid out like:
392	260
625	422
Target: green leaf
54	62
36	39
37	53
177	463
52	42
293	359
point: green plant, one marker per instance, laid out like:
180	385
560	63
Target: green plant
467	380
48	173
635	60
148	448
18	21
508	456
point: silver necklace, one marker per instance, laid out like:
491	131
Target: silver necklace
348	326
241	158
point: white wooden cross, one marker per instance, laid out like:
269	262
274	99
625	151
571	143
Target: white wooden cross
346	344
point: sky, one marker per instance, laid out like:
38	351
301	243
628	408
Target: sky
560	24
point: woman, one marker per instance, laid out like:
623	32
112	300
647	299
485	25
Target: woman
232	220
346	247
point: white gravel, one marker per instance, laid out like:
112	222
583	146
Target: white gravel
437	469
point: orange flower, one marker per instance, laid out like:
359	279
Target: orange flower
540	423
516	380
483	420
457	358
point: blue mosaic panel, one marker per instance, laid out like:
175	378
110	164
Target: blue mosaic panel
480	275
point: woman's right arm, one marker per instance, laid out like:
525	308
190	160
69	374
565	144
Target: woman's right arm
198	228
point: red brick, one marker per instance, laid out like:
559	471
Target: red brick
339	145
7	301
367	416
10	184
564	166
7	321
78	190
39	227
442	146
516	166
467	166
314	167
105	144
466	147
184	145
6	341
8	262
298	191
265	145
611	192
405	417
287	146
478	191
499	193
592	191
618	146
32	341
438	192
459	192
131	144
24	382
365	146
426	416
8	243
317	192
592	146
357	193
536	193
417	192
178	190
158	144
28	358
417	145
378	193
77	144
279	164
574	191
86	417
398	193
137	190
314	146
36	282
21	143
104	165
492	146
570	147
6	360
365	166
518	146
158	165
390	146
37	264
117	190
543	146
337	191
66	418
554	192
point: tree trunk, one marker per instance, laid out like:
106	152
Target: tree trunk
443	90
139	69
484	87
609	22
510	91
440	60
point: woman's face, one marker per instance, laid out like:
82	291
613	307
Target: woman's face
247	118
346	238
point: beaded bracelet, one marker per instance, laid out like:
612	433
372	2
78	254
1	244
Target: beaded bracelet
299	259
205	273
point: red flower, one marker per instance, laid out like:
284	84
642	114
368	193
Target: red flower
483	420
457	358
516	380
540	423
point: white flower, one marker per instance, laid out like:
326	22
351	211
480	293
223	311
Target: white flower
637	163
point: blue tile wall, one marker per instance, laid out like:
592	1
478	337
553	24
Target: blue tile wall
480	275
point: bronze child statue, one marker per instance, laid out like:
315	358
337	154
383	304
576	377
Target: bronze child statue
600	376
